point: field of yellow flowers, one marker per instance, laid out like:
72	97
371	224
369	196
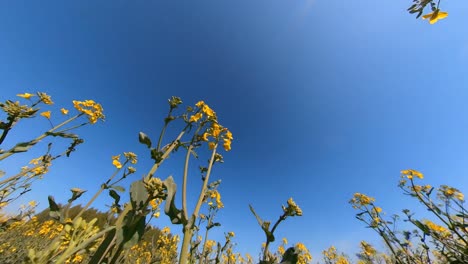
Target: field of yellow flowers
76	233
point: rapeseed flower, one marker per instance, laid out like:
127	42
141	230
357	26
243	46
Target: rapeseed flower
92	109
195	117
410	173
46	114
45	98
64	111
116	162
25	95
435	16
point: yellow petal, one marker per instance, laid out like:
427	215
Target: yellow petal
428	15
442	15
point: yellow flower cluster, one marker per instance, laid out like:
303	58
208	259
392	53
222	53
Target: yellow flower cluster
44	98
436	228
214	196
130	156
450	192
292	209
92	109
367	249
359	200
330	253
155	203
216	130
42	165
167	246
411	173
304	254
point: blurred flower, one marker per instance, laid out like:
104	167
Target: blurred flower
25	95
46	114
45	98
116	162
435	16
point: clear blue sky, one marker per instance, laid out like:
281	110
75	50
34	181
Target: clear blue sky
324	98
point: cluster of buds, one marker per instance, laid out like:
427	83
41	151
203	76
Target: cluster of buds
292	209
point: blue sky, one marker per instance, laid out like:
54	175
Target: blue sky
324	98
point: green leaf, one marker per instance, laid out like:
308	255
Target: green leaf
62	134
23	146
76	193
115	196
138	195
144	139
170	209
55	211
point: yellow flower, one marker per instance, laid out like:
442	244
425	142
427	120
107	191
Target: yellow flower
231	234
207	110
410	173
64	111
116	162
32	203
368	249
195	117
285	241
199	104
360	200
132	157
45	98
227	144
229	135
216	130
36	161
435	16
25	95
46	114
280	249
435	227
211	145
92	109
205	136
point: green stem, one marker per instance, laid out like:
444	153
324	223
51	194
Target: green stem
188	228
184	182
7	129
203	257
96	195
35	141
265	250
163	131
164	156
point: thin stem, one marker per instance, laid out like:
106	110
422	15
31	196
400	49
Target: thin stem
184	182
8	127
71	128
188	231
163	131
164	156
35	141
265	250
103	187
